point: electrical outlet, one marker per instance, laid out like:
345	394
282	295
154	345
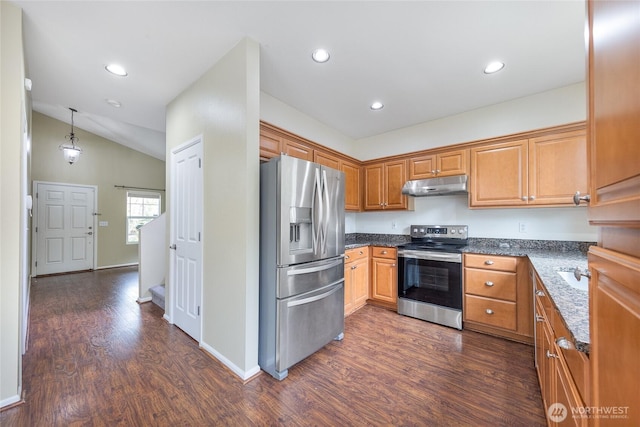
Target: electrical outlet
394	225
522	227
104	223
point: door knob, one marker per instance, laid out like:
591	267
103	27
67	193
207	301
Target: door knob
174	247
90	233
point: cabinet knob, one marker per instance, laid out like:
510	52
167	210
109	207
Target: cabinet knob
393	265
489	284
354	267
488	262
550	355
384	252
577	198
360	252
564	343
532	197
489	311
539	318
524	198
433	172
539	293
346	257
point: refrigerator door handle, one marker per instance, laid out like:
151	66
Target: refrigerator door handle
315	269
317	212
316	297
327	217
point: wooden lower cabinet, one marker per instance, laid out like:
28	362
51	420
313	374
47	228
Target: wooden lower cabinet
356	279
562	372
497	296
384	276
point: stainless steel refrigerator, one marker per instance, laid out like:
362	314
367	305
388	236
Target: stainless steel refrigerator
301	261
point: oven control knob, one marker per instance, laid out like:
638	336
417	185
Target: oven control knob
453	231
422	230
461	231
415	230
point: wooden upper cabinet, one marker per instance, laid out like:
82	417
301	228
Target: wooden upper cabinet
499	174
326	159
297	149
557	168
383	186
541	171
614	111
269	144
353	194
449	163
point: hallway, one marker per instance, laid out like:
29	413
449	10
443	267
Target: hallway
96	358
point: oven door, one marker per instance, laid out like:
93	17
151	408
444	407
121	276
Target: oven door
430	277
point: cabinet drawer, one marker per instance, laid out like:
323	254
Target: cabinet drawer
383	252
492	284
356	254
490	262
490	312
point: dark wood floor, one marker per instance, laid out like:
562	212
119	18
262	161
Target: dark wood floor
97	358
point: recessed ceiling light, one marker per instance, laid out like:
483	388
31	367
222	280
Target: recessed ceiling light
494	67
113	103
377	105
320	55
116	69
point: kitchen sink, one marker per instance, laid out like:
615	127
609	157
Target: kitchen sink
568	277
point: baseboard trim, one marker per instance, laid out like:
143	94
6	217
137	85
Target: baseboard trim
143	300
104	267
10	402
244	375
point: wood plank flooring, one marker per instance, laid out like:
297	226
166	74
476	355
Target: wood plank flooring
97	358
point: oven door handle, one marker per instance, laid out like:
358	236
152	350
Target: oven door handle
430	256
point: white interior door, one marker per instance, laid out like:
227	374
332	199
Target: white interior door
64	231
186	218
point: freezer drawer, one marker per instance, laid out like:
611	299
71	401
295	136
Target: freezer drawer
309	276
307	322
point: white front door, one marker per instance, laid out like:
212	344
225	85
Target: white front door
186	229
64	233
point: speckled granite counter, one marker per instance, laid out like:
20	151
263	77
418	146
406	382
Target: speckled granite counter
361	239
571	302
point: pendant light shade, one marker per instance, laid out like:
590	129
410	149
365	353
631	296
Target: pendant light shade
69	149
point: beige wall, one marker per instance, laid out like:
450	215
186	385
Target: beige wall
223	107
12	218
103	163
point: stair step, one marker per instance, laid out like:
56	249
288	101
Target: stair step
157	295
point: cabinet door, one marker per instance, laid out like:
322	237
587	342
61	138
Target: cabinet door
540	356
395	178
422	167
270	144
499	174
614	108
326	159
373	187
384	280
296	149
557	168
452	163
348	288
360	282
615	332
352	198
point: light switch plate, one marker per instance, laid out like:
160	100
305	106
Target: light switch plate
104	223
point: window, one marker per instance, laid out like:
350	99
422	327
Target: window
142	207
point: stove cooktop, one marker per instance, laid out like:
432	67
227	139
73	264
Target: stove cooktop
444	238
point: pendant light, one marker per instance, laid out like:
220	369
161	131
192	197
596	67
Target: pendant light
71	151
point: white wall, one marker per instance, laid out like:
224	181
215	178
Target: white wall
224	107
566	223
13	104
551	108
278	113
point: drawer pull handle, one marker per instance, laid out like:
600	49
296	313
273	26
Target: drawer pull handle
384	252
489	311
550	355
539	318
539	293
489	284
488	262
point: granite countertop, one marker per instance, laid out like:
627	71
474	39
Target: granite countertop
571	302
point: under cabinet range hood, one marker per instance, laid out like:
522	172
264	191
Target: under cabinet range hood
436	186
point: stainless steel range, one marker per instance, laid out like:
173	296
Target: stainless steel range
430	274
